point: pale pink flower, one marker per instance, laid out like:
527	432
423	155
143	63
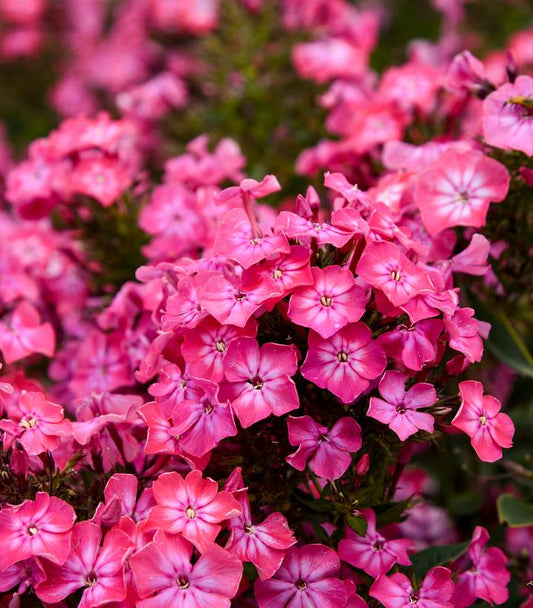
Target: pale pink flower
165	576
328	452
307	577
399	408
373	553
344	363
40	528
396	591
480	418
331	303
258	380
192	506
99	570
458	189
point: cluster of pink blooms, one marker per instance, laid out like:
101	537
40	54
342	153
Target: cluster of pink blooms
328	329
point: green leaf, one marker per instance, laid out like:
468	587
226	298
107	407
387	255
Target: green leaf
503	340
514	512
426	559
391	512
357	524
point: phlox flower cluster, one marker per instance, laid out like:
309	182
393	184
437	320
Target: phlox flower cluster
254	418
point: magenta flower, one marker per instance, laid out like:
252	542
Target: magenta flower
480	418
396	591
99	570
291	270
373	553
487	578
236	240
192	506
328	451
385	267
258	380
465	333
22	333
205	347
344	363
332	302
249	188
307	577
165	576
262	544
506	119
399	408
40	528
458	189
304	229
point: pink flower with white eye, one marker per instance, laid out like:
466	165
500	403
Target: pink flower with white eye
39	528
192	506
399	408
307	577
103	177
480	418
262	544
507	116
205	347
164	575
344	363
234	303
22	334
237	240
303	229
99	570
173	386
183	309
203	423
39	426
487	578
331	303
160	438
291	270
373	553
329	452
458	189
396	591
385	267
258	380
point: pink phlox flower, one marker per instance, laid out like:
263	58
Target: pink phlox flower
385	267
413	86
160	437
427	305
331	303
399	408
262	544
415	346
466	74
183	309
487	578
350	220
120	496
237	240
480	418
205	347
304	230
507	122
308	577
383	227
37	425
290	271
165	576
458	189
99	570
466	333
309	205
327	451
36	528
201	424
353	195
249	188
329	58
192	506
373	553
258	380
344	363
401	155
233	303
474	258
23	575
173	387
396	591
22	333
